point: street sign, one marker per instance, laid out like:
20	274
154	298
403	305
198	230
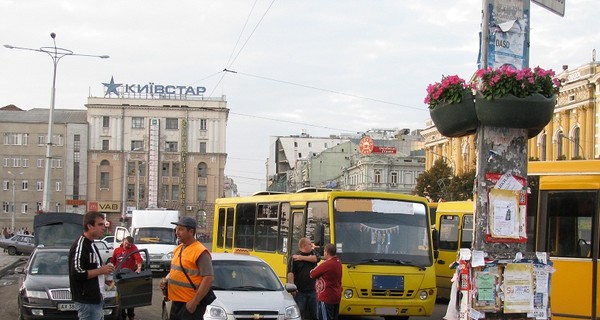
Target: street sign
556	6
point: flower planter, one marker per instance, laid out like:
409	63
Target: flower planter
455	120
532	113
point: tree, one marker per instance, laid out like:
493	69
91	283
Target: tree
433	183
461	187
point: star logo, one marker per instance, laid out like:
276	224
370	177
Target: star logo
111	87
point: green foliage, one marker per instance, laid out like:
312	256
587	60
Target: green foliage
438	183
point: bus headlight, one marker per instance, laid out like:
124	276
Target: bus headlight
348	293
423	295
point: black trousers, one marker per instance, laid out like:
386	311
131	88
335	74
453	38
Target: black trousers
179	312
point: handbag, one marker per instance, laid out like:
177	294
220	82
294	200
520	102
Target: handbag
209	297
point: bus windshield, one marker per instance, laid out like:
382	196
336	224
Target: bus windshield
369	231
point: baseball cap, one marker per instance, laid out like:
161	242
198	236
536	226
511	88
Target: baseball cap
187	222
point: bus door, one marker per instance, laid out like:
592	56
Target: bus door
569	232
223	236
455	230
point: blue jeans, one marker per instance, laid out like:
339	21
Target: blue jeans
307	303
88	311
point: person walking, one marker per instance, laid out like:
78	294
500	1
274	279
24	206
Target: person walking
132	262
86	271
298	268
191	275
329	284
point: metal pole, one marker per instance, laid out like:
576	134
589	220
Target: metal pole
55	54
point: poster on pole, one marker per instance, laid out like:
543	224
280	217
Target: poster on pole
508	42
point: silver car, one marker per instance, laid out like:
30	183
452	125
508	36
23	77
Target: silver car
18	244
247	287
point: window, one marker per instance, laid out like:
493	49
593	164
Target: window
202	170
576	143
40	186
310	144
16	139
24	185
164	192
40	163
5	206
137	145
171	123
377	178
58	185
24	207
166	166
171	146
25	162
104	179
201	193
58	140
175	169
295	144
130	192
105	121
174	192
5	162
16	162
56	163
137	122
6	185
394	177
41	140
203	124
131	168
105	145
202	147
76	142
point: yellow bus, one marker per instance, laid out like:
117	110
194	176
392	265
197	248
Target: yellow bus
383	240
565	195
454	229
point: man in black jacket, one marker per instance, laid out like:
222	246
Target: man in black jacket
86	271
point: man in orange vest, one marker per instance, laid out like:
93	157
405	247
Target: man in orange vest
191	274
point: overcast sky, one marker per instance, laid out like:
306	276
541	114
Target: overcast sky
326	66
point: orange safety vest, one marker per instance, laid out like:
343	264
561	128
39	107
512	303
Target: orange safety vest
180	288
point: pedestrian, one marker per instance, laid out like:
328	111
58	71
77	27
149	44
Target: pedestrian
329	284
133	262
298	268
188	284
86	271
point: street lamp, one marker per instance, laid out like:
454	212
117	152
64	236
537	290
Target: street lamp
55	54
14	204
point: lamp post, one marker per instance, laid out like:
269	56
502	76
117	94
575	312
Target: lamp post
55	54
14	204
562	135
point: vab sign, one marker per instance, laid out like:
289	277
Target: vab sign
104	206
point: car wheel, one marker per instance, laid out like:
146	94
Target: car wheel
12	251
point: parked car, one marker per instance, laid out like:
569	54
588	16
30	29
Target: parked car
18	244
246	285
105	251
110	240
44	291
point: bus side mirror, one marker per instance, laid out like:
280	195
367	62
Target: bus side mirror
436	243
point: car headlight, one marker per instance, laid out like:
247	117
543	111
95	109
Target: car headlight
36	294
292	312
423	295
169	256
348	293
215	312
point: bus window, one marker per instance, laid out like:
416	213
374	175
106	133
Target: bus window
570	215
220	228
229	229
449	232
284	226
318	222
244	225
298	228
467	231
266	227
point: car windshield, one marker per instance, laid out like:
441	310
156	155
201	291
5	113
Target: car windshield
244	276
50	263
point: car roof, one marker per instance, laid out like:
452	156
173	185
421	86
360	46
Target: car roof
234	257
57	249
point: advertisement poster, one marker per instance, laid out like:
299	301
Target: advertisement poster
504	214
486	280
518	288
540	298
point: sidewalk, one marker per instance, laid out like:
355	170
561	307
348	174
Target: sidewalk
7	261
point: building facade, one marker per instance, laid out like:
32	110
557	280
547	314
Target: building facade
23	156
156	153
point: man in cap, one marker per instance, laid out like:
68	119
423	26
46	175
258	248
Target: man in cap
191	274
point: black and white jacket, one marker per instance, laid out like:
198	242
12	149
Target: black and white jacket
84	256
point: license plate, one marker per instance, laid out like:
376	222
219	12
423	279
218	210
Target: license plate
386	311
66	306
154	266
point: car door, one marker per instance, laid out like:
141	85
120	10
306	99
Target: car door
134	289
